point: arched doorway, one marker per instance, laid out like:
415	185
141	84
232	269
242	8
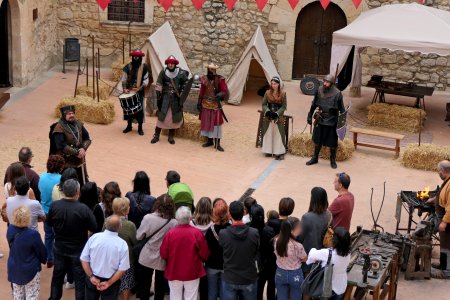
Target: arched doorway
313	38
5	45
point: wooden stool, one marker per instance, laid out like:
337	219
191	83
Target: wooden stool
419	263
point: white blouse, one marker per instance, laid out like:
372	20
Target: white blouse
340	264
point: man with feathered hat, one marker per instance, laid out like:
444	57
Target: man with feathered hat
71	140
169	86
135	79
212	90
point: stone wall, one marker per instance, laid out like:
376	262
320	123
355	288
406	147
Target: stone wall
423	69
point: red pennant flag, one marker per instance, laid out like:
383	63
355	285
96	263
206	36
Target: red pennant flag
261	4
358	2
166	4
103	3
230	4
325	3
420	1
198	3
293	3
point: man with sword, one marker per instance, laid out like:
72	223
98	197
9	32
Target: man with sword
213	90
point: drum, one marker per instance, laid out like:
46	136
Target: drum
131	103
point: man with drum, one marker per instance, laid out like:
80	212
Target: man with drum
134	80
169	88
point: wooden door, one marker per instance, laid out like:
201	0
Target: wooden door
313	38
4	43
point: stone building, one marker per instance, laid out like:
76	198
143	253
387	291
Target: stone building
299	40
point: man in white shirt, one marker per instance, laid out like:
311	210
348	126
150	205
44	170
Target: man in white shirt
22	185
105	260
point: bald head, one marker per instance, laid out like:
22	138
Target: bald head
444	169
113	223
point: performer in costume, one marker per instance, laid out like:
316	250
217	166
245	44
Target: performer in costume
169	86
329	103
71	140
212	90
134	80
273	132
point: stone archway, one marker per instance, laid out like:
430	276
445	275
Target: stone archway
14	46
313	38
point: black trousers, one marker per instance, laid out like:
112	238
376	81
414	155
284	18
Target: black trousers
267	275
144	279
62	264
91	292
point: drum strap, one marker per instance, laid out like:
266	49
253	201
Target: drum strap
139	76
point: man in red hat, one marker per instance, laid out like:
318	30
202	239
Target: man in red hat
134	80
169	86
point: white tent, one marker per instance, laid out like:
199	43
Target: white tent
408	27
257	49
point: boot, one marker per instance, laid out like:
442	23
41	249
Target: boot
171	134
218	147
128	128
333	158
208	143
315	158
140	131
155	138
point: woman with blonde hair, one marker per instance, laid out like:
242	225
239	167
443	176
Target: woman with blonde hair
273	107
202	218
121	207
27	253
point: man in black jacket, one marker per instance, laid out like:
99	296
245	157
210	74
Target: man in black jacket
240	245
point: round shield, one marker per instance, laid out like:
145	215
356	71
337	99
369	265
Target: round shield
309	85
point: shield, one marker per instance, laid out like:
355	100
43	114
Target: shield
186	90
341	128
309	85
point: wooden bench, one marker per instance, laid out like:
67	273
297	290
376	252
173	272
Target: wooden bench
397	137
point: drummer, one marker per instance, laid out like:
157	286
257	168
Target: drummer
134	80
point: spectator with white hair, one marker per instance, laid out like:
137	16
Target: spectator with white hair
185	249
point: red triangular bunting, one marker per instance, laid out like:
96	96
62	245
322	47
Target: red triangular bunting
230	4
325	3
356	3
293	3
261	4
103	3
166	4
198	3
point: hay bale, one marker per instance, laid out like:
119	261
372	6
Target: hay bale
117	69
301	144
189	130
425	156
398	117
104	88
89	110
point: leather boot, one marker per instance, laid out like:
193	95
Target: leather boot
155	138
333	158
171	135
128	128
140	131
208	143
218	147
315	158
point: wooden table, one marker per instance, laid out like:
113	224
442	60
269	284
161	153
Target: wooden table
401	89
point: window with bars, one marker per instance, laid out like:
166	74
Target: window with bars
126	10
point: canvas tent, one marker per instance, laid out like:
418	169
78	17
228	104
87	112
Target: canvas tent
256	50
407	27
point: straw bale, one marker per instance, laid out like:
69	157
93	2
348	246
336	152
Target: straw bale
117	69
425	156
301	144
398	117
88	109
104	88
190	129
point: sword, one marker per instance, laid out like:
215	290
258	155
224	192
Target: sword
220	106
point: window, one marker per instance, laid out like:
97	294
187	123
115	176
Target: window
126	10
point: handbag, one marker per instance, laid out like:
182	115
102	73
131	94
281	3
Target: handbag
3	213
327	241
318	282
141	243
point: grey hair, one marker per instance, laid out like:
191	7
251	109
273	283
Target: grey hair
183	215
71	187
444	165
113	223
